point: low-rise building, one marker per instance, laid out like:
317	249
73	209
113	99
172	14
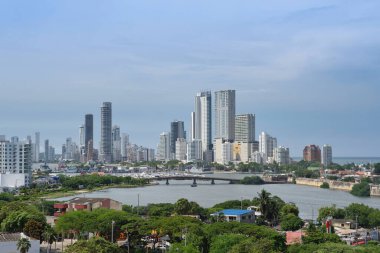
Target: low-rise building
8	243
243	216
88	204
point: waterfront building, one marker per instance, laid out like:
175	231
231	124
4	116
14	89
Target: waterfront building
15	163
326	155
223	151
46	156
89	136
201	122
224	111
181	149
87	204
312	153
124	146
245	128
281	155
194	151
106	132
177	130
266	144
116	144
259	157
163	148
242	151
37	147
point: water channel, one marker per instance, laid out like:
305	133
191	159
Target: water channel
308	199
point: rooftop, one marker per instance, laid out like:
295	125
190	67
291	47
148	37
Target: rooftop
236	212
86	200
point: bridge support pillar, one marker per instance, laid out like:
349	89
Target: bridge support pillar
212	181
231	182
167	181
194	181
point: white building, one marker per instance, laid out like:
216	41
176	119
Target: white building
224	111
223	151
37	147
15	163
266	144
181	149
124	146
326	155
245	128
163	147
281	155
201	122
259	157
194	151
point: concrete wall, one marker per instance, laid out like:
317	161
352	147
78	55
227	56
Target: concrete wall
335	185
11	247
13	180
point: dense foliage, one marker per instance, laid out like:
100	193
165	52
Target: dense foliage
362	189
255	180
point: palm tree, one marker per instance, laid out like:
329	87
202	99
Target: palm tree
264	203
49	237
23	245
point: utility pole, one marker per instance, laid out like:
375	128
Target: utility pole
112	224
241	203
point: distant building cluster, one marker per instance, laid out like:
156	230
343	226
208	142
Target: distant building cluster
217	134
234	135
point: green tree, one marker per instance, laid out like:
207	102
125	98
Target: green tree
325	185
289	208
34	229
291	222
263	245
361	190
333	211
182	206
376	169
95	244
224	242
269	206
320	237
181	248
49	236
362	211
23	245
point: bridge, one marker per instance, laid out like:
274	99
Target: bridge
194	178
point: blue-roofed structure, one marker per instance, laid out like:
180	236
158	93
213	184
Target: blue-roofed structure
245	216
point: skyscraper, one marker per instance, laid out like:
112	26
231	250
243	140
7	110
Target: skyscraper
37	147
245	128
225	115
81	136
106	132
163	148
266	144
326	155
124	146
88	134
202	121
312	153
177	130
46	151
281	155
116	144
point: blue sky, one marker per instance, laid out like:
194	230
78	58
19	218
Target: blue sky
309	70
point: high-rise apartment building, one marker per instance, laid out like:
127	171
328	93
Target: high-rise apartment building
177	130
116	144
181	149
163	148
281	155
124	146
46	154
201	122
37	147
194	151
312	153
88	135
224	111
81	136
245	128
15	163
326	155
266	144
106	132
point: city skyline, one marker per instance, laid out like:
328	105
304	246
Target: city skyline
308	71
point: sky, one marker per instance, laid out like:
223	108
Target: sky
308	70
